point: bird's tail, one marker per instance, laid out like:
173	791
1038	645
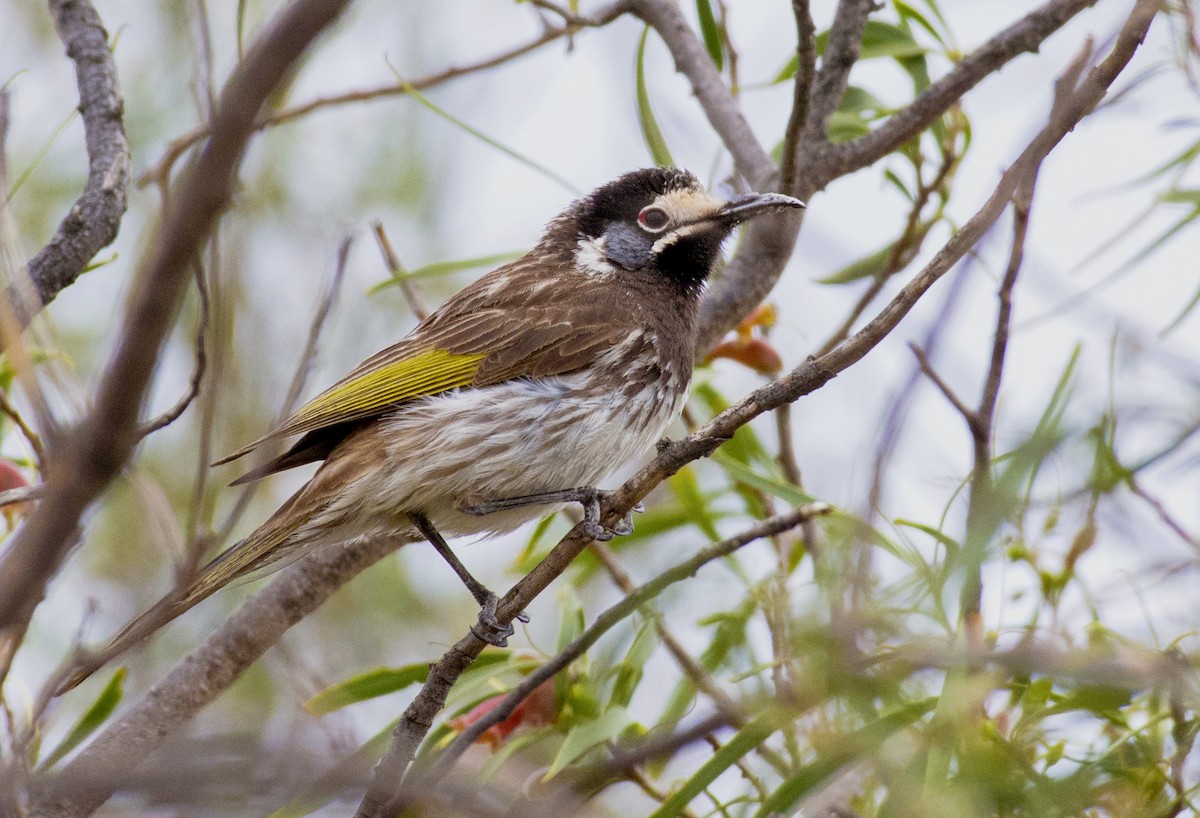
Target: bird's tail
261	549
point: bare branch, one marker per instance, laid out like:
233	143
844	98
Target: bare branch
198	368
802	86
1022	37
31	437
841	52
396	270
418	718
86	459
954	400
603	623
692	60
161	170
94	219
299	379
90	778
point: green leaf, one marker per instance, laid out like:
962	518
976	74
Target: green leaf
745	445
93	717
686	488
746	739
493	673
711	33
24	175
952	545
846	125
631	668
858	99
650	130
441	268
370	685
870	266
882	39
861	742
908	13
610	724
1102	701
767	484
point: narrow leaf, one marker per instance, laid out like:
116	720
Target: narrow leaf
441	268
370	685
711	33
93	717
480	135
606	727
650	130
686	488
861	742
749	737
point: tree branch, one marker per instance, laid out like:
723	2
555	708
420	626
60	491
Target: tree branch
85	459
603	623
161	170
97	772
1024	36
802	86
94	219
691	59
841	52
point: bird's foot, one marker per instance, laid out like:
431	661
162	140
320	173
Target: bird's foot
587	496
488	629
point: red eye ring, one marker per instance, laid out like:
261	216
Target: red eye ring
653	219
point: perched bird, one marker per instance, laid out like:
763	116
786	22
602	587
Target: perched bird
518	395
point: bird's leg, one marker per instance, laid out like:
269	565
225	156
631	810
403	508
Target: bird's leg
488	628
586	496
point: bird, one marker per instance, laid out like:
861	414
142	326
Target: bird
517	396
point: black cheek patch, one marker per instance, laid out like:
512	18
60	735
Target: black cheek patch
689	260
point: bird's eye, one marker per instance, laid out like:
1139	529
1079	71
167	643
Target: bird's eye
653	219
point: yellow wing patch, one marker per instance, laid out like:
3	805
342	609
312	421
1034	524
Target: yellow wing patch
363	394
375	385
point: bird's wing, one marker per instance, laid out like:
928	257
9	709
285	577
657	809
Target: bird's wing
463	344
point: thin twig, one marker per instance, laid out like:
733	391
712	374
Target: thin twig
802	85
691	668
31	437
1024	36
841	52
299	379
160	172
396	271
198	368
91	777
968	414
88	457
602	624
768	243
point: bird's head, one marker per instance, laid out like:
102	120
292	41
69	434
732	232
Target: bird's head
659	220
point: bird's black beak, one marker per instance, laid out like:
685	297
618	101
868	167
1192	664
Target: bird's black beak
747	207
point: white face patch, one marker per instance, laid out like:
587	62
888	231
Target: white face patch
590	257
686	206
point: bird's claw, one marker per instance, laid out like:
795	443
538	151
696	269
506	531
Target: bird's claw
488	629
590	500
586	496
